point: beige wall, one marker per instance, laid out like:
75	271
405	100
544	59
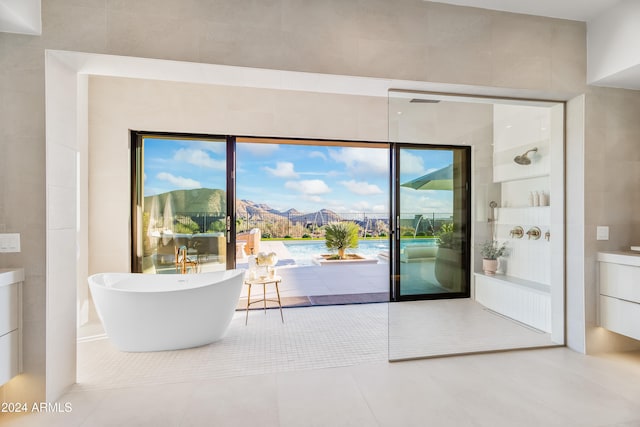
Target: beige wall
118	104
407	39
612	188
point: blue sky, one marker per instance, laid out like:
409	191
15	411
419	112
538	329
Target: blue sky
307	178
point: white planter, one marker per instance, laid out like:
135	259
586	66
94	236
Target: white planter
489	266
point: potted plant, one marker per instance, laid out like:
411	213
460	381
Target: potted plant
491	251
341	236
448	265
445	235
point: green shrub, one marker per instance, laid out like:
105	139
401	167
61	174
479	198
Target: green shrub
445	235
341	236
492	250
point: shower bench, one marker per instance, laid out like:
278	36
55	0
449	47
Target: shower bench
522	300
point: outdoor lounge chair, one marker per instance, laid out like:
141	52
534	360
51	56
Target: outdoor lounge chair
418	253
209	245
252	240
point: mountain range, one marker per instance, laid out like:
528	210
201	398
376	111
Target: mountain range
201	200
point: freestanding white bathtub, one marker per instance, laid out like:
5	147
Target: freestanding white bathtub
145	312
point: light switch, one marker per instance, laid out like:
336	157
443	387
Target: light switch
602	232
10	242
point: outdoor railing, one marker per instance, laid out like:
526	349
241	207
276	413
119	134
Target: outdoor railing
298	225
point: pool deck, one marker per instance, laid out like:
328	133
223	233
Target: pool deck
340	283
320	285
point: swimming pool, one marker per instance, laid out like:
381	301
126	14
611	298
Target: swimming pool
302	251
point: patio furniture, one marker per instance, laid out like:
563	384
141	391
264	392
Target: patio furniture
418	253
240	253
209	245
264	281
252	239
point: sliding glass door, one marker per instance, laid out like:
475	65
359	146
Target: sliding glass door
181	203
432	217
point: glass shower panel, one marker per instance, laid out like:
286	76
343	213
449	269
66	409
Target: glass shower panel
516	183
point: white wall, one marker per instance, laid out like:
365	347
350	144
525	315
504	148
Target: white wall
62	226
516	129
612	42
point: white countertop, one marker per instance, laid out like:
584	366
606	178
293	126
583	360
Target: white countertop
11	275
620	257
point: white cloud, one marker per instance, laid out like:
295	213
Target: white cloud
178	181
410	163
199	158
361	206
218	147
318	155
424	201
282	170
310	187
364	206
360	160
362	188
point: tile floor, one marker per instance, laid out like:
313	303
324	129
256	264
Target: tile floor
309	338
454	326
309	372
547	387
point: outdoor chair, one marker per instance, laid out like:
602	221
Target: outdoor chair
252	240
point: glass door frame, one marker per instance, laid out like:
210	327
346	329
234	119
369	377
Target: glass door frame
136	150
395	294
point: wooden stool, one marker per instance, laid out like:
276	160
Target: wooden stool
264	281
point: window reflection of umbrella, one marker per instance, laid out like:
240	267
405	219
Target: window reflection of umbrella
441	179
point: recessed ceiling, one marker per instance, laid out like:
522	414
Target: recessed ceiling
20	16
576	10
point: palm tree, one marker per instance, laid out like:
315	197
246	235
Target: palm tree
341	236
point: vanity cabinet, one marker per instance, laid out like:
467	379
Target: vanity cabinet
619	299
10	323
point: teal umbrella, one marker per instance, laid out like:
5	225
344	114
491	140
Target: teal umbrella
441	179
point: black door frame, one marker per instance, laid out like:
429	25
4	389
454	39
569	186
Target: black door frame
137	152
394	220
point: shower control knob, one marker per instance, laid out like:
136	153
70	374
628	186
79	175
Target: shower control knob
534	233
517	232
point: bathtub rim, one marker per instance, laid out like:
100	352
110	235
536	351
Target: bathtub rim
235	272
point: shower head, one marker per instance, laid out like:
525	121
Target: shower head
493	204
524	159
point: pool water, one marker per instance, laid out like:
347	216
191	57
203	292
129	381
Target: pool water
303	251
